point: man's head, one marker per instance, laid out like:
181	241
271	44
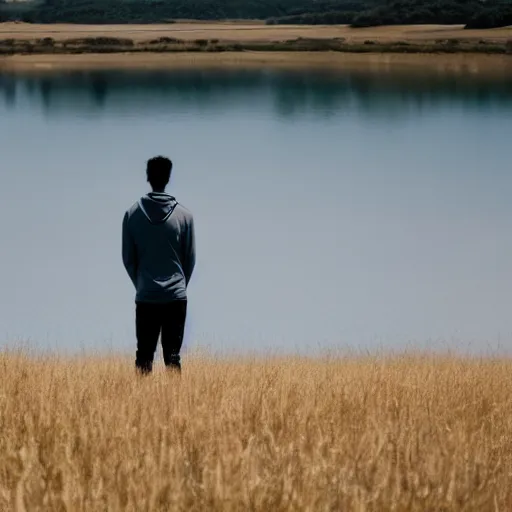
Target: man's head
159	172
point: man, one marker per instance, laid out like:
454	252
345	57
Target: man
159	256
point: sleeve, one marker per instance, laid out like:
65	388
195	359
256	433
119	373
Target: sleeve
129	252
189	250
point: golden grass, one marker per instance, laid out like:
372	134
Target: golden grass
402	433
251	31
27	47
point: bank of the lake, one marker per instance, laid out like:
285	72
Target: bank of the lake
465	64
28	39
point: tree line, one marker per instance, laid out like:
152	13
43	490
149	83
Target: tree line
471	13
358	13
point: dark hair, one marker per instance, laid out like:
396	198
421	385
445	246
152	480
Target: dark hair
159	172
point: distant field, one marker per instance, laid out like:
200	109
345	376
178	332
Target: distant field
253	31
29	47
375	434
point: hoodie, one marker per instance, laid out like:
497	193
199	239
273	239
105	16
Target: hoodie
159	248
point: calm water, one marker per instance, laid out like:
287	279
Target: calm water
332	210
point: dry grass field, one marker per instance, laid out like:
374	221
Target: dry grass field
403	433
253	31
26	47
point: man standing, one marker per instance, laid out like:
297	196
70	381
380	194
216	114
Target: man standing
159	256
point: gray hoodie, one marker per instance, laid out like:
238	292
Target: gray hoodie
159	248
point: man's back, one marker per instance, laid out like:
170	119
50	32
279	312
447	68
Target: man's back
159	255
159	248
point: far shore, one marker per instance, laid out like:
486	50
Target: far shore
463	64
27	47
254	31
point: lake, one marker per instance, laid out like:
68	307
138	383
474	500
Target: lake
333	210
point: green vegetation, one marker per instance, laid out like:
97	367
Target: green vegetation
359	13
152	11
445	12
472	13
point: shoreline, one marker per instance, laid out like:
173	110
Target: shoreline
454	63
429	48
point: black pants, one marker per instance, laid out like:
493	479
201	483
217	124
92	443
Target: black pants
155	319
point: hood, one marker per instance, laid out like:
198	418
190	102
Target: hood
157	207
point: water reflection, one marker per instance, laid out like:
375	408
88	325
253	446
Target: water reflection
291	93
